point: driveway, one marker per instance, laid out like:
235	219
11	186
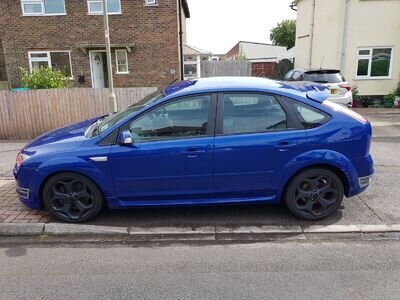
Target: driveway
378	205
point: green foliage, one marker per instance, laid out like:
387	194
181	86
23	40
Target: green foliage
242	55
355	92
44	78
396	91
284	33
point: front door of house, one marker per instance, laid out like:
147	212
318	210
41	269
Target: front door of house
96	59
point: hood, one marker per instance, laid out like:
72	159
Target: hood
71	135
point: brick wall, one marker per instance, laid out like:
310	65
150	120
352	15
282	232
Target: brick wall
264	69
152	29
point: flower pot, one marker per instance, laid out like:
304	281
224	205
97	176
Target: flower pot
389	103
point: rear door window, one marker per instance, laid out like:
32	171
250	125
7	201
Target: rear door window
251	113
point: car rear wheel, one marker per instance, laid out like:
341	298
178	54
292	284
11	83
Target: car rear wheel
72	197
314	194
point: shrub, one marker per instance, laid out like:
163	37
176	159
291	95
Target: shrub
44	78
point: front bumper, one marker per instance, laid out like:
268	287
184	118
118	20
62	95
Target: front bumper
25	193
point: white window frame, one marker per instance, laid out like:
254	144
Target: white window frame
43	12
150	2
369	58
48	59
116	62
100	13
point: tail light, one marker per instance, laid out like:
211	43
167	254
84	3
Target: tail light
345	86
345	110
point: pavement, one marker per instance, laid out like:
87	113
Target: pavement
379	205
285	270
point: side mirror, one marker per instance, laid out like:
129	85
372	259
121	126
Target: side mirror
125	138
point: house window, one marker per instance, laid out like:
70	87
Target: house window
56	60
43	7
150	2
374	62
95	7
122	61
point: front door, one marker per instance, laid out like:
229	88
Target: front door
97	65
171	157
254	141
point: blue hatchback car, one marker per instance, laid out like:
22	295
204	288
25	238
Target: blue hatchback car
204	142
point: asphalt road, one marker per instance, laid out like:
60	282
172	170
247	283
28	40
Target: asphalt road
379	204
334	270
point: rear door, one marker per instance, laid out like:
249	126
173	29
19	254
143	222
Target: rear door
255	138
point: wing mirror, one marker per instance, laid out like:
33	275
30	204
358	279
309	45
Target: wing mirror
125	138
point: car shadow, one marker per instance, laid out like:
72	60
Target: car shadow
227	215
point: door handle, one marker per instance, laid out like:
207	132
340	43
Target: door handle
285	145
194	152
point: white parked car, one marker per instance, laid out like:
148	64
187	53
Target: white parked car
340	88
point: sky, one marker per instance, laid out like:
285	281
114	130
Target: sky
217	25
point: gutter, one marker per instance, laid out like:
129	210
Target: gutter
311	35
345	34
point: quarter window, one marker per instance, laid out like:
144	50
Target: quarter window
374	62
42	7
182	118
122	61
56	60
309	116
248	113
95	7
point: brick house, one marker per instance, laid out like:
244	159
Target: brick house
68	35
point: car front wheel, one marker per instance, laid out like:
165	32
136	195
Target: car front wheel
72	198
314	194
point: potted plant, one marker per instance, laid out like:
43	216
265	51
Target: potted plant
356	97
396	93
389	100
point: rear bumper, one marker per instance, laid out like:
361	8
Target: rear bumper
360	181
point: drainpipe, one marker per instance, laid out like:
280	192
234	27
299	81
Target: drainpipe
345	34
311	35
180	38
112	98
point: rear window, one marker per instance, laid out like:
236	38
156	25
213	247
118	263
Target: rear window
324	77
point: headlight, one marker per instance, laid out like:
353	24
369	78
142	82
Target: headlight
21	158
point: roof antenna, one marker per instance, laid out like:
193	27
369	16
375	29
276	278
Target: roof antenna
322	61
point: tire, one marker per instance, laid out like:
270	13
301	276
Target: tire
72	198
314	194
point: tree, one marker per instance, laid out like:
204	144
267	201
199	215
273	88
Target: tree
44	78
284	33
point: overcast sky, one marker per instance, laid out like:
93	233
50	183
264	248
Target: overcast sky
217	25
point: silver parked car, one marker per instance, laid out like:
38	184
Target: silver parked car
340	88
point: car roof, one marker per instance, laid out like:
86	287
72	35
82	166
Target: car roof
301	89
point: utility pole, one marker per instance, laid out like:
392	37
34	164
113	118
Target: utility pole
112	98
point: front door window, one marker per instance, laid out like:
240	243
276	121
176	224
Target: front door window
187	117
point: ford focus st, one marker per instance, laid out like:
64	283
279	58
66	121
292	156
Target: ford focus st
210	141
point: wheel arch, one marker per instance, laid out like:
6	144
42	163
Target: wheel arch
50	175
342	176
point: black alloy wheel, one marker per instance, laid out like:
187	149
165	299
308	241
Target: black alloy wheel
314	194
72	197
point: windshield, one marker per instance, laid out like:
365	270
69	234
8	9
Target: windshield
106	122
324	77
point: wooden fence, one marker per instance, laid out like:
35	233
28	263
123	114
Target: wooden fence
27	114
225	68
